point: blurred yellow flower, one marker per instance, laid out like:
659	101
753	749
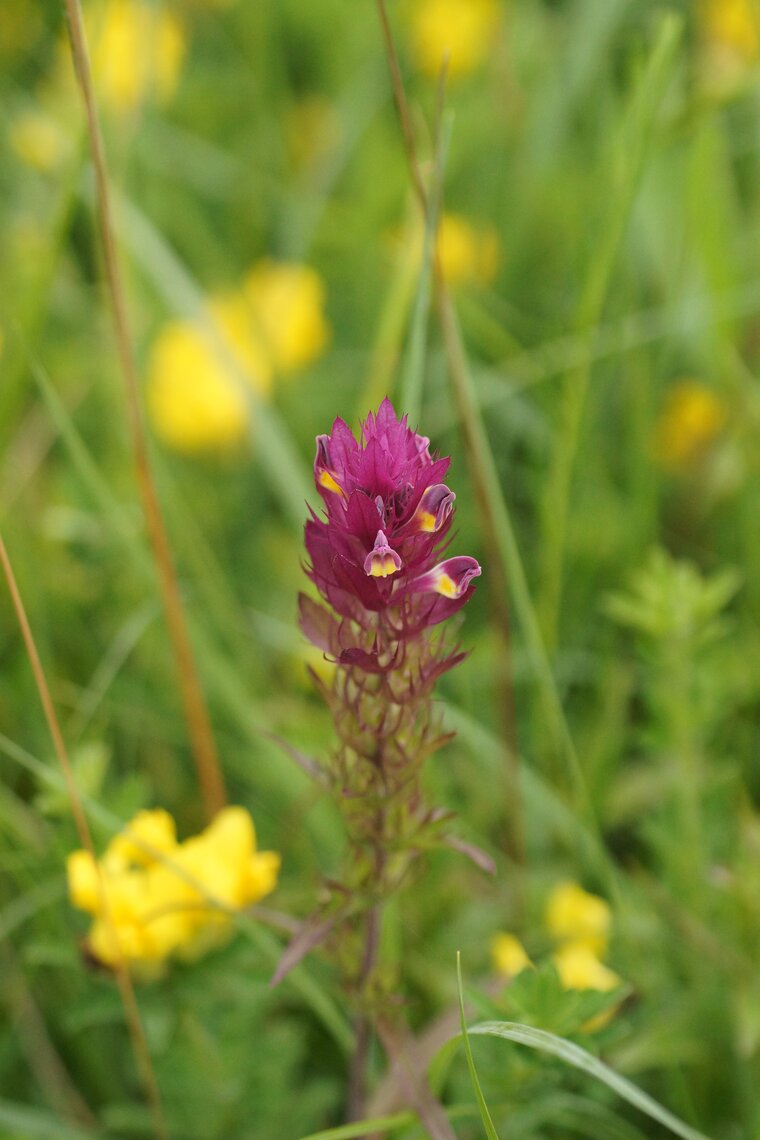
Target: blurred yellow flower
580	969
460	32
150	835
691	419
196	394
508	955
137	51
287	301
158	898
730	35
573	915
469	255
733	25
38	140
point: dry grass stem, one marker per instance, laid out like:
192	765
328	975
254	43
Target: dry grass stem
196	713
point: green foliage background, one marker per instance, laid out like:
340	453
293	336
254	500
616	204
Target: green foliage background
626	198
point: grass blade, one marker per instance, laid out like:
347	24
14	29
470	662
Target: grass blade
578	1058
485	1115
628	165
364	1127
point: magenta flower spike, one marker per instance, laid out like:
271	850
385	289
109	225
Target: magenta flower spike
373	557
376	558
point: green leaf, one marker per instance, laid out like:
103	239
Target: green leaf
485	1115
578	1058
364	1127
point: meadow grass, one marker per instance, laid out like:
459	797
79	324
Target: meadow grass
584	344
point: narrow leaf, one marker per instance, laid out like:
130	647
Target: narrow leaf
485	1115
574	1055
310	935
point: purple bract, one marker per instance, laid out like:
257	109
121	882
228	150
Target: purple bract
375	556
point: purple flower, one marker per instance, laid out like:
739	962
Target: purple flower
377	559
375	554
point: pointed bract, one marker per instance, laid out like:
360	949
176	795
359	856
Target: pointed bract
387	516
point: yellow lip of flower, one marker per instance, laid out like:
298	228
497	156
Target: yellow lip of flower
460	32
508	955
574	915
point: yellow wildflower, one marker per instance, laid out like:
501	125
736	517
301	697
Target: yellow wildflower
690	421
580	969
166	901
137	52
508	955
573	915
82	876
195	395
730	34
734	26
149	835
38	140
460	32
469	255
287	301
196	380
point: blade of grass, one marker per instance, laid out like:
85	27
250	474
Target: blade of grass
394	315
413	373
541	800
31	312
121	525
197	718
36	1124
547	361
578	1058
628	165
38	1047
27	905
281	462
110	664
485	1115
218	672
365	1127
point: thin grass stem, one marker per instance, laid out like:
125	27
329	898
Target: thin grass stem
198	721
124	982
621	196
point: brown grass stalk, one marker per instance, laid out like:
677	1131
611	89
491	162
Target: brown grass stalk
196	713
124	982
